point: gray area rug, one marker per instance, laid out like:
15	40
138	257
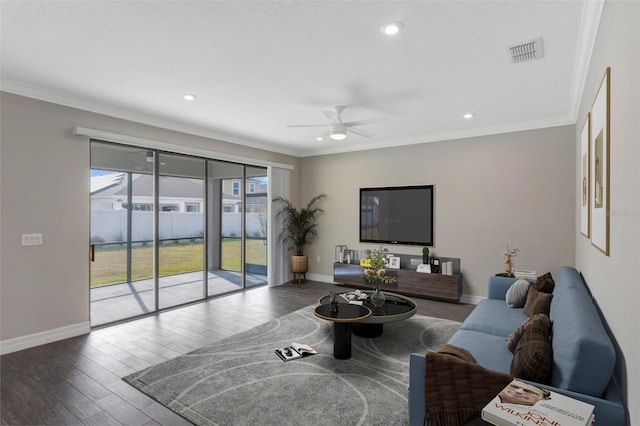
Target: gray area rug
241	381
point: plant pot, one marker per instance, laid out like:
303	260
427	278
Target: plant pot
299	264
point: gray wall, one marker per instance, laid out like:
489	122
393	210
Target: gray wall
44	187
614	279
515	188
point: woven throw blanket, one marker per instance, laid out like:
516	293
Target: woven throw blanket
456	387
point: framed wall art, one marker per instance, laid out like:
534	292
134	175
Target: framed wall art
600	145
585	183
394	262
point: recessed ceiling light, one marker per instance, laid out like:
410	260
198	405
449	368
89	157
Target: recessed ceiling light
318	139
392	28
189	97
469	115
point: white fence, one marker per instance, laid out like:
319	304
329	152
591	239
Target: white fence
111	225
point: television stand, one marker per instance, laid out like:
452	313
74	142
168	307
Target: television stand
408	281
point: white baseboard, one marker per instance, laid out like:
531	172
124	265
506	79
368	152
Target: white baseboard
321	278
25	342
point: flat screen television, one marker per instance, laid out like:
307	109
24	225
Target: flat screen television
397	215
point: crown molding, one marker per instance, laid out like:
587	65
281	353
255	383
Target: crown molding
445	136
72	102
21	89
591	16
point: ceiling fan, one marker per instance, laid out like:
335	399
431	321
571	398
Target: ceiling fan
337	128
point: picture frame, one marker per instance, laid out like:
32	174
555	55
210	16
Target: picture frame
394	262
600	146
585	183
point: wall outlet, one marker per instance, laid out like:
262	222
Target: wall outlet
318	259
31	239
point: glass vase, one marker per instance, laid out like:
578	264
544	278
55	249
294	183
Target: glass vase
377	297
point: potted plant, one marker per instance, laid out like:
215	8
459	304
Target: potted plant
425	255
299	228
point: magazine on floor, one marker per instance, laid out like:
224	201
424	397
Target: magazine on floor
523	404
295	351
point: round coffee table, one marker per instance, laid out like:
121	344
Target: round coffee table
342	320
395	308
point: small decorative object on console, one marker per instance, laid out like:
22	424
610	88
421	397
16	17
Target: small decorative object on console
508	256
435	265
394	262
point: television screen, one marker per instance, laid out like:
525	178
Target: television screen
397	215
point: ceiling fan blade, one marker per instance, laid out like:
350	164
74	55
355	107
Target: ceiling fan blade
324	135
307	125
329	114
359	132
361	122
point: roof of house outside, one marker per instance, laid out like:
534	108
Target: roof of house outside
170	186
115	184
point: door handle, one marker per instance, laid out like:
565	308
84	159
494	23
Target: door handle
93	253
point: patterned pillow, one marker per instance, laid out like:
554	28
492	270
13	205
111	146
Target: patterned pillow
533	357
517	294
537	302
538	320
545	283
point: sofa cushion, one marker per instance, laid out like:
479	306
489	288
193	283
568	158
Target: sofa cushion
545	283
494	317
583	355
517	294
537	302
488	350
538	320
532	357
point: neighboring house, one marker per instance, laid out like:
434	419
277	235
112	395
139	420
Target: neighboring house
109	192
181	206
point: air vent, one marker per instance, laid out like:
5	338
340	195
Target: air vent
527	51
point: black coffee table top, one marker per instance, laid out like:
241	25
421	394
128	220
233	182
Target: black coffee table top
395	308
346	312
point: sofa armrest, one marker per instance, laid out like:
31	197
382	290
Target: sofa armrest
417	363
610	411
498	287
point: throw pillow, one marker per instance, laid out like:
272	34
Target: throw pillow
533	357
545	283
538	320
517	294
537	302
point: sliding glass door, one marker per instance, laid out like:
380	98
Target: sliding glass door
181	229
169	229
122	243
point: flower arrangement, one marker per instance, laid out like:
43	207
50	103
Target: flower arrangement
510	252
375	273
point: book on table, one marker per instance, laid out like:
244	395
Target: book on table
295	351
523	404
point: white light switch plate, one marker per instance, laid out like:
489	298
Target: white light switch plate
31	239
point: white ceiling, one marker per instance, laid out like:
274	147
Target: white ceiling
257	66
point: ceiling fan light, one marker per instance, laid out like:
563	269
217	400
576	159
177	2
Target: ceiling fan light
338	135
391	28
338	131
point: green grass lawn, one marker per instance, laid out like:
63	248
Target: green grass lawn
111	262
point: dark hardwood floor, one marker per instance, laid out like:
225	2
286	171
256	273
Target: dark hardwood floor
78	380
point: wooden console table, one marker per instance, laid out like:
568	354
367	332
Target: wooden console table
408	282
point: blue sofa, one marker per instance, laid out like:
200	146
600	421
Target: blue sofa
583	354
